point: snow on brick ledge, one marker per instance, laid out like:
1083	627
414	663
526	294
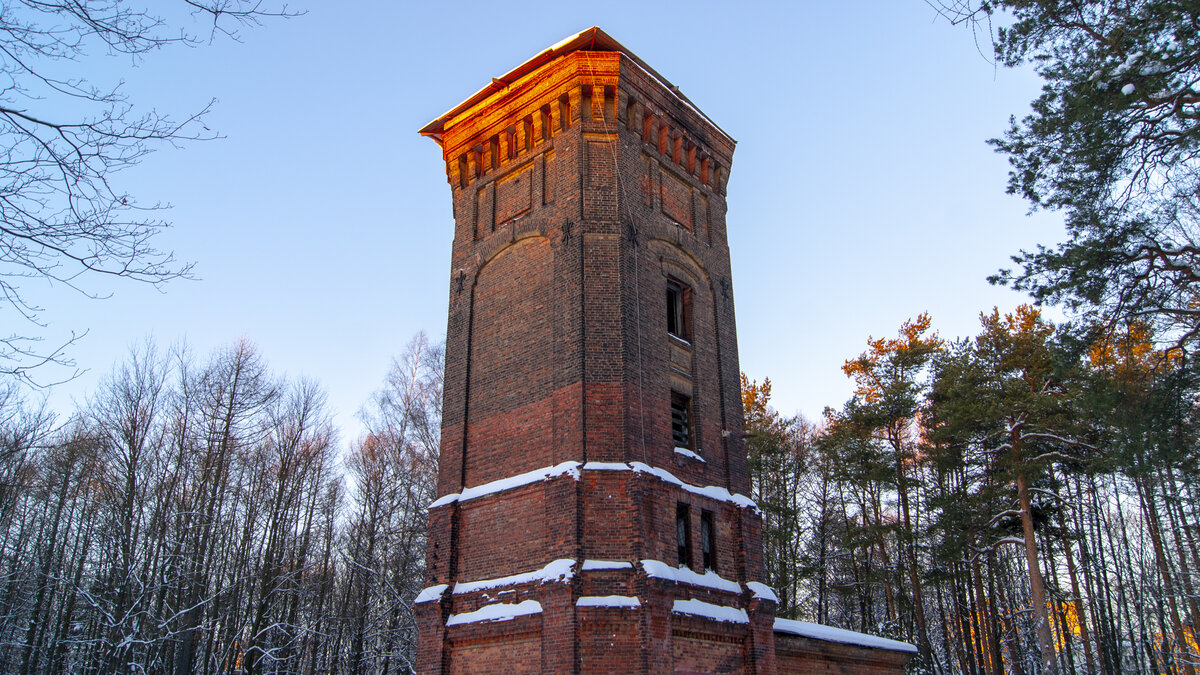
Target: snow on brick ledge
589	565
572	469
817	631
498	612
617	601
683	575
689	454
762	591
545	473
560	570
430	594
711	491
711	611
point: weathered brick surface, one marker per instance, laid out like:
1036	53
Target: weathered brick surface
581	186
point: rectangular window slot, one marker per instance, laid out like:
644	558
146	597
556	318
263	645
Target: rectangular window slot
683	535
707	547
681	420
678	301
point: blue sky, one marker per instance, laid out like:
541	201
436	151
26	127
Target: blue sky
862	191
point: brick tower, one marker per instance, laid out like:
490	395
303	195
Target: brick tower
592	515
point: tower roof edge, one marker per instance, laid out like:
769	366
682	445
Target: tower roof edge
591	39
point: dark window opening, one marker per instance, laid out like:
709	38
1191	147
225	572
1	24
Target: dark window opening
677	310
707	555
683	535
681	420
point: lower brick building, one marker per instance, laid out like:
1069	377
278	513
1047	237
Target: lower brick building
592	513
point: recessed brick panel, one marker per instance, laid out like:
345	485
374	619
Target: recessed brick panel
509	422
514	194
520	655
518	519
676	199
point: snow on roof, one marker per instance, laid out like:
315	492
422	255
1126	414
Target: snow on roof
545	473
817	631
497	612
711	611
618	601
560	570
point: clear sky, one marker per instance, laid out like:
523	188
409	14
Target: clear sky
862	191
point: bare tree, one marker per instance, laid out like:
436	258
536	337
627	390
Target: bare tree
63	140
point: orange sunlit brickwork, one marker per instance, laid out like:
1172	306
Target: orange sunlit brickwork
592	515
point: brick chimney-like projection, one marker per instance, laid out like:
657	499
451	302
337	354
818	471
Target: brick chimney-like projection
593	512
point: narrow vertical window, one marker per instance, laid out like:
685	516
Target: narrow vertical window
647	126
683	535
681	420
678	299
707	545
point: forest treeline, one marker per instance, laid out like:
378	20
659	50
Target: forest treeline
202	516
1024	501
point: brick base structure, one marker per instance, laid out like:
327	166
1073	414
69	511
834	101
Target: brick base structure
592	513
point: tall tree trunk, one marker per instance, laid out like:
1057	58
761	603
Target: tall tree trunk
1036	584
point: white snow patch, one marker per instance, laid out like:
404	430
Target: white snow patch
589	565
831	634
559	570
545	473
564	41
762	591
619	601
683	575
1128	63
711	611
689	454
1128	89
498	612
430	594
1010	540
